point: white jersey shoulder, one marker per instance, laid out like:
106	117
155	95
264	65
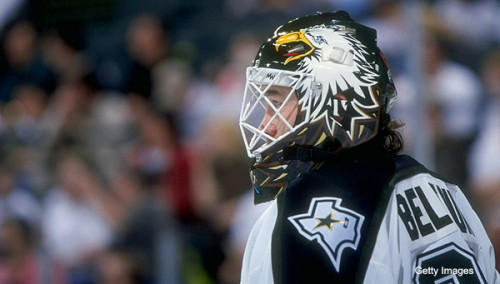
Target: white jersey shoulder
430	234
257	262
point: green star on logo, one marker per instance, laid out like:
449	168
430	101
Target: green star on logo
328	222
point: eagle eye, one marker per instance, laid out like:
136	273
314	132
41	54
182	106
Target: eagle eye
319	39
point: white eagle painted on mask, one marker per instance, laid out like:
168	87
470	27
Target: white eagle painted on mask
339	62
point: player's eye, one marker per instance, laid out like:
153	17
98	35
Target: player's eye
276	103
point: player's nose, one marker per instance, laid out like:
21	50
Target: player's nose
268	127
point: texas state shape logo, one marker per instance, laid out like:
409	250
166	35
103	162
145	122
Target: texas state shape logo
334	227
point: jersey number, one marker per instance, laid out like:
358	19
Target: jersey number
447	264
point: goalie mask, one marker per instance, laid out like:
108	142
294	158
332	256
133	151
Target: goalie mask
320	82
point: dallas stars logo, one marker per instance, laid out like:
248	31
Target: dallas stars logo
327	222
333	227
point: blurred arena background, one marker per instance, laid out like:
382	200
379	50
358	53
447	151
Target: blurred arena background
120	154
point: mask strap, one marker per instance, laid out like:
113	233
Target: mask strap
304	154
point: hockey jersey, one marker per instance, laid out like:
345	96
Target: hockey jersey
375	220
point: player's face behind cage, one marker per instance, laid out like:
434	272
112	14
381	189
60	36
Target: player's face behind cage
271	107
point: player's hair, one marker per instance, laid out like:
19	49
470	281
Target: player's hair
388	137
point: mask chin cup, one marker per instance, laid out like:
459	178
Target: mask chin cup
268	181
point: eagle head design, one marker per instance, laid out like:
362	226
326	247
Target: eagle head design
342	83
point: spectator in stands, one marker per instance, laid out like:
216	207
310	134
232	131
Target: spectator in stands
454	93
74	231
120	266
155	74
485	155
474	26
20	259
22	61
16	201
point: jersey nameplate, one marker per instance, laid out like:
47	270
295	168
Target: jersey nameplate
422	211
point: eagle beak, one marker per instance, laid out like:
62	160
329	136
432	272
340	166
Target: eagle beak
296	46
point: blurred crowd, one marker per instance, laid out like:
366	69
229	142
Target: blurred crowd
120	154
